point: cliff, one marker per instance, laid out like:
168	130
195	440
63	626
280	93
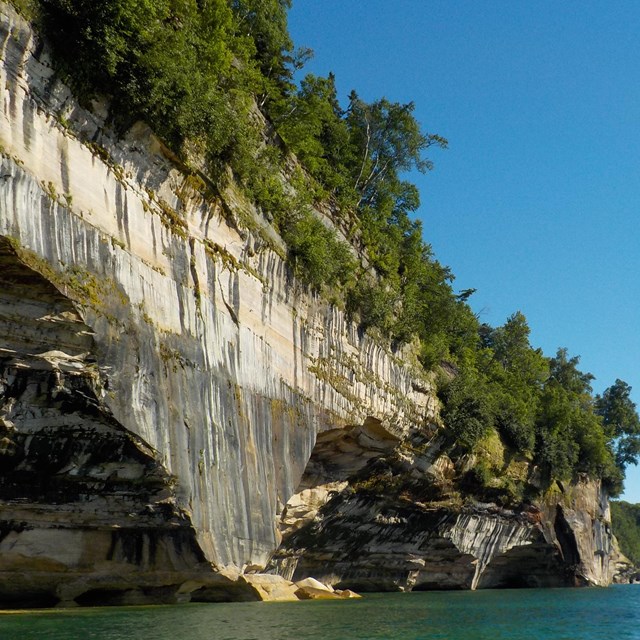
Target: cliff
401	522
167	387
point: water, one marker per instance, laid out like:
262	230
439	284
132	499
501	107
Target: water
550	614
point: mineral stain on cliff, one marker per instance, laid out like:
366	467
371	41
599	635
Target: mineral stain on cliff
181	418
78	490
373	514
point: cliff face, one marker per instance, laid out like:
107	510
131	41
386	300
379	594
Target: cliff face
164	381
358	539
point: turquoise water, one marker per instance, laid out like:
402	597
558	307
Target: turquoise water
551	614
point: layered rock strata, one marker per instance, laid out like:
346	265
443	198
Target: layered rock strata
385	529
164	381
203	354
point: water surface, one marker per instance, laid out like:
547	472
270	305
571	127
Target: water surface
549	614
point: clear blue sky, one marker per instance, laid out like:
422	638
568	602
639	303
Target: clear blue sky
536	203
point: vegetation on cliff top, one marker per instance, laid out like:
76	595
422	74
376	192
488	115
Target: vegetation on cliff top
625	518
215	79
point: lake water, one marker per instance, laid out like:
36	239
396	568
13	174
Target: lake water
549	614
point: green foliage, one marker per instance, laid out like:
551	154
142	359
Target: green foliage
203	73
517	372
314	129
621	422
316	252
514	418
467	410
570	433
169	62
482	481
625	518
557	448
388	140
542	407
356	155
262	26
193	68
373	303
265	22
477	480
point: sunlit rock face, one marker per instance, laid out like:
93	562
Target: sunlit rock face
348	534
167	387
87	511
163	375
377	512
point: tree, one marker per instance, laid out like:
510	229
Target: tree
265	23
556	449
314	129
621	422
517	372
168	62
467	412
389	140
625	519
570	436
564	370
317	254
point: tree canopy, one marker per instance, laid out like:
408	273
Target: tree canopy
621	422
216	79
542	407
625	518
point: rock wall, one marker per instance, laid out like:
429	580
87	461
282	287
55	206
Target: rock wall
199	343
384	529
164	380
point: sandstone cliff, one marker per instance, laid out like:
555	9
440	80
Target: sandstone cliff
167	387
350	536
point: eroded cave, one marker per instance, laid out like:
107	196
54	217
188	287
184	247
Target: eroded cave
84	503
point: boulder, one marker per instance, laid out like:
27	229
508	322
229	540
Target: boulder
270	587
